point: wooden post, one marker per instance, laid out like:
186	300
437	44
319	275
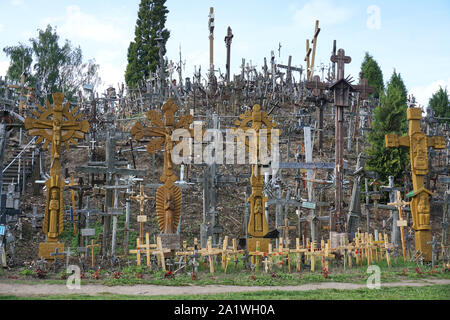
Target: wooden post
92	246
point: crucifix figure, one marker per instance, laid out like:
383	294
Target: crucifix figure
141	198
418	144
168	196
55	125
257	225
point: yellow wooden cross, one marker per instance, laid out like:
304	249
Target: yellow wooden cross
313	254
418	144
146	248
137	251
299	251
55	125
253	122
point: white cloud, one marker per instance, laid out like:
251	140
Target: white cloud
4	65
17	2
424	93
79	25
111	74
323	10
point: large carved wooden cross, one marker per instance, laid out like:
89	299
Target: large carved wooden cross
418	144
55	125
257	225
168	196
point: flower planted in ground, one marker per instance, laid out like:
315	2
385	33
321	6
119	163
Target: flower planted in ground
117	275
325	272
96	275
169	275
139	275
41	274
418	271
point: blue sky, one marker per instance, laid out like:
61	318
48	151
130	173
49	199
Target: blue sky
410	36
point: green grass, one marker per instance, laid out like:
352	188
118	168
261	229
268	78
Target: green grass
435	292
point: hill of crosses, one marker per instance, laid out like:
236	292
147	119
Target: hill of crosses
268	170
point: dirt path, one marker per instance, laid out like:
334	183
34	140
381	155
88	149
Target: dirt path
151	290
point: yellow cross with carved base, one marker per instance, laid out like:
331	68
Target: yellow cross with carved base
253	122
55	125
418	144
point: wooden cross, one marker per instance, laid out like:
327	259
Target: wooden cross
21	89
137	251
168	196
313	254
325	253
310	62
55	125
387	249
316	86
257	225
364	89
268	260
400	204
146	247
55	256
286	229
141	198
300	251
185	252
284	252
92	246
418	144
341	60
159	252
73	205
256	255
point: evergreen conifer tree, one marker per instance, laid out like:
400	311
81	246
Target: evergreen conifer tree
390	117
143	52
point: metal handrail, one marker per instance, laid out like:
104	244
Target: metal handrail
19	155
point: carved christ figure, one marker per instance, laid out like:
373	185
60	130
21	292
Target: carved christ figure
56	137
169	213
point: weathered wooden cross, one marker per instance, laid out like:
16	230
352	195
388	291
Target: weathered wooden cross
400	204
111	167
